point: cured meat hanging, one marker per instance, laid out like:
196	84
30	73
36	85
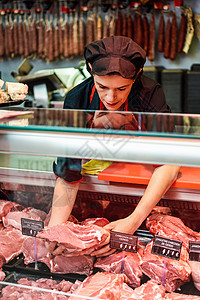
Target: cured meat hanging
173	43
151	52
182	32
21	27
99	25
190	29
40	35
167	37
146	34
161	33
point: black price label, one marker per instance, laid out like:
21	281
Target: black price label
123	241
194	251
31	227
166	247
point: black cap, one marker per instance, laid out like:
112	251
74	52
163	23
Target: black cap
115	54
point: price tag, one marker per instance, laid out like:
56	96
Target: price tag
166	247
123	241
194	251
31	227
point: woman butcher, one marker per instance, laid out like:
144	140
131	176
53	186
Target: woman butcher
116	84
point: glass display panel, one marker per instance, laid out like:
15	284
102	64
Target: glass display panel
123	123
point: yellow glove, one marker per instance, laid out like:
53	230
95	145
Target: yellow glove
94	167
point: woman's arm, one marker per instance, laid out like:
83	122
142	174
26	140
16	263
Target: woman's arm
63	201
161	180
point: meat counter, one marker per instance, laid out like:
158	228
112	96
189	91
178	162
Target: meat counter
134	144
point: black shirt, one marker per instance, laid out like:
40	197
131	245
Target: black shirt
146	96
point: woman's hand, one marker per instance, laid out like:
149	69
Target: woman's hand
122	225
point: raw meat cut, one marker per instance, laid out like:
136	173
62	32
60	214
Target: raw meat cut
176	273
2	275
4	97
11	241
74	239
123	262
65	286
195	267
13	218
16	91
5	207
59	264
36	213
15	293
171	227
161	210
2	261
1	83
176	296
82	264
101	285
28	251
126	292
147	291
95	221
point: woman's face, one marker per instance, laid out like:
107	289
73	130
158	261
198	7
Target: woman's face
113	90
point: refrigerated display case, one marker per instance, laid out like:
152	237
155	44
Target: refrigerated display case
134	143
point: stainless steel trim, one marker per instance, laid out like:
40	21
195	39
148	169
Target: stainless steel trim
154	150
12	178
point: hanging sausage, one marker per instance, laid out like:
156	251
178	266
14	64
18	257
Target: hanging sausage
161	33
119	23
173	37
167	37
146	34
1	38
40	37
99	25
20	37
129	25
151	52
82	33
182	32
106	26
112	25
51	41
89	28
6	37
15	32
66	37
25	36
124	24
190	29
71	33
10	36
76	35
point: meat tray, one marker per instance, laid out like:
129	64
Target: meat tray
17	265
13	277
12	103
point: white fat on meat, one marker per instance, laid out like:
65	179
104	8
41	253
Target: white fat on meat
17	91
195	267
74	239
1	83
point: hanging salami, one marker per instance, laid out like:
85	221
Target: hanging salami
146	34
167	38
173	37
1	38
82	33
161	33
151	52
182	32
